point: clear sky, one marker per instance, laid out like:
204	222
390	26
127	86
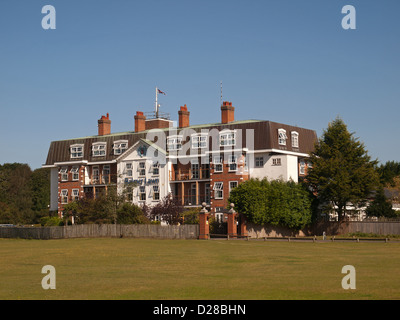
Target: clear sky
288	61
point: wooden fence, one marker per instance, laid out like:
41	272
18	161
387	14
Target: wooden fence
329	227
103	230
345	227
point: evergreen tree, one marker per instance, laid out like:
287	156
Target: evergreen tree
380	206
40	192
342	171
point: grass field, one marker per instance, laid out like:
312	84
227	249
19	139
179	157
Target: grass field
193	269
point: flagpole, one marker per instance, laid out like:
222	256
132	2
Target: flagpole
156	102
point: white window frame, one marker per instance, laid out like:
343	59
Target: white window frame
142	191
75	173
174	143
99	149
276	161
155	168
75	194
106	173
230	186
218	190
302	167
64	196
142	169
95	169
282	137
218	163
120	146
129	169
227	138
64	173
156	191
76	151
232	162
199	140
295	139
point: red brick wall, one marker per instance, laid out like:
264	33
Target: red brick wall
140	121
183	117
70	185
104	125
226	176
157	123
227	112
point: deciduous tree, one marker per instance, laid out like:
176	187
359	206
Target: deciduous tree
273	202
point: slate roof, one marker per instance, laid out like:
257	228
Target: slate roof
265	137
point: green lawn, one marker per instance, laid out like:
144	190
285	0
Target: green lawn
195	269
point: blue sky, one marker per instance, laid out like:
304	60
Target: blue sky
287	61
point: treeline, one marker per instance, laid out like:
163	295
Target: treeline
388	173
25	199
111	208
24	194
342	180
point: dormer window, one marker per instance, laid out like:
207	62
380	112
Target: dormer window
76	150
199	140
120	146
227	138
99	149
282	137
295	139
174	143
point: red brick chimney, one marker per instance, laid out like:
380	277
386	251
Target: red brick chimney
183	117
227	112
140	121
104	125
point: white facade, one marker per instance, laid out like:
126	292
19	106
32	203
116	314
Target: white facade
143	177
275	166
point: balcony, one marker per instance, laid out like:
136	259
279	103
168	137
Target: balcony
185	175
190	200
102	179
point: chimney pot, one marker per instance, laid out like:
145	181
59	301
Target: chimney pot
140	121
183	117
104	125
227	112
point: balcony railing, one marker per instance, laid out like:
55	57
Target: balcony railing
102	179
182	175
192	200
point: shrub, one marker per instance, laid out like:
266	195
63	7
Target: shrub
50	221
273	202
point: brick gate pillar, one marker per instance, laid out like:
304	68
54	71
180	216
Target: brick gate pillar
203	222
243	226
232	222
